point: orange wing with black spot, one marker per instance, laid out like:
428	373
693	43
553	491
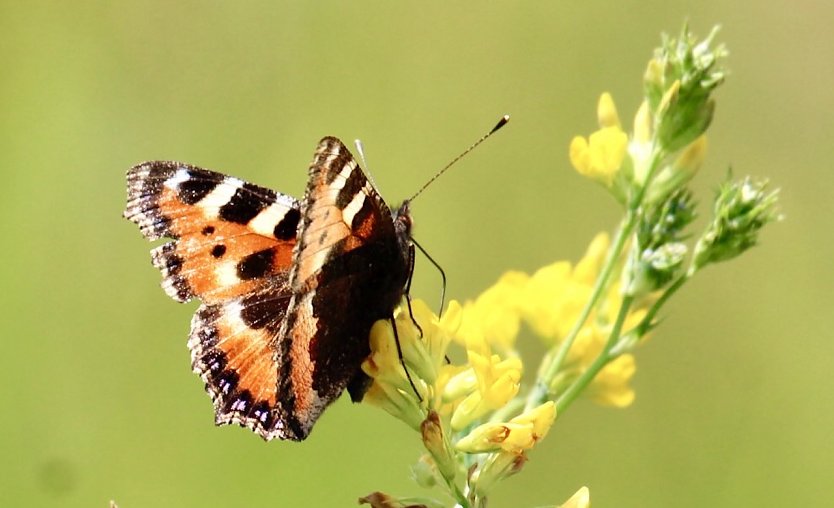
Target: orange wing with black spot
232	248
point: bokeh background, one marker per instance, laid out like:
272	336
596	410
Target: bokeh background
735	400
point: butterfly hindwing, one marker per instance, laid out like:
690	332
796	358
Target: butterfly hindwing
233	349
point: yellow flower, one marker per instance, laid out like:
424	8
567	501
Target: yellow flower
607	112
384	364
458	381
610	386
497	382
600	156
423	355
493	318
515	436
555	294
640	146
643	123
396	402
496	467
582	499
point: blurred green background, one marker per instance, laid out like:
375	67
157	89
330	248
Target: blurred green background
735	400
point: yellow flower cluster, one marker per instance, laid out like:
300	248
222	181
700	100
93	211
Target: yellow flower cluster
392	388
446	403
549	302
602	155
473	408
475	423
465	394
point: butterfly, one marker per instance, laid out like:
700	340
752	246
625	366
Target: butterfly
289	289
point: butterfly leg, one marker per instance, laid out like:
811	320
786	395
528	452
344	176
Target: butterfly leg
442	288
402	359
408	290
439	269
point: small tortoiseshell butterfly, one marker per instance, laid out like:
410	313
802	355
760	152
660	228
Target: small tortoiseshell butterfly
289	289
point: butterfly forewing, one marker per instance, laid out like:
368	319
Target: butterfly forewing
229	234
349	271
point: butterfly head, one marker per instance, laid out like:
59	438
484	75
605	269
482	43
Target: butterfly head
403	222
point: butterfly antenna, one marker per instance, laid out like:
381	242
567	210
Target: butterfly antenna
360	149
502	122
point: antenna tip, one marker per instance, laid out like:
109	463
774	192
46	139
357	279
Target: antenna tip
502	122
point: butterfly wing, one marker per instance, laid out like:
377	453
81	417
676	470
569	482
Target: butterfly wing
350	268
229	235
232	249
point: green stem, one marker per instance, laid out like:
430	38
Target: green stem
454	489
601	361
458	494
451	484
646	322
540	392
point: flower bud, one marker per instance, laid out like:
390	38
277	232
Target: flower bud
496	467
740	210
424	472
607	111
582	499
678	84
436	443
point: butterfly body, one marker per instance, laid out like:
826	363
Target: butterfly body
289	288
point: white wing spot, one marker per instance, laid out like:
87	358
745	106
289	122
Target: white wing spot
180	176
340	180
353	208
264	223
219	196
226	274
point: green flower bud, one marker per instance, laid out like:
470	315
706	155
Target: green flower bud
657	254
741	209
678	83
653	269
424	472
665	222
